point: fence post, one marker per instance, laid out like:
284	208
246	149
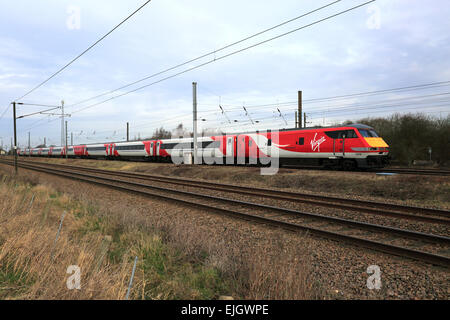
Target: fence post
59	230
131	280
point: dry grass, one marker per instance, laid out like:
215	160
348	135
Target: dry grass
33	266
434	191
401	187
176	259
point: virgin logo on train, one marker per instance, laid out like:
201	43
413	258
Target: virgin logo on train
315	144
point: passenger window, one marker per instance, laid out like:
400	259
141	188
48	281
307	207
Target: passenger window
301	141
269	142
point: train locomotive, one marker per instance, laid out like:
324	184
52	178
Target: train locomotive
347	147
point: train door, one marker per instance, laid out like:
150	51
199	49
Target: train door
111	150
242	148
339	145
230	147
158	145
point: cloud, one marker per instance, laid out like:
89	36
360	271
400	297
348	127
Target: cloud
339	56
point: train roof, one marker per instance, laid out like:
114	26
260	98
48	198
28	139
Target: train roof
353	125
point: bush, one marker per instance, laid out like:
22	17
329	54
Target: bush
409	136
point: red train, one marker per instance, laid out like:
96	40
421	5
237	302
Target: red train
348	147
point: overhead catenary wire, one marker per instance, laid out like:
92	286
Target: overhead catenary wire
4	112
262	122
369	93
364	105
324	109
206	54
243	121
408	88
226	56
373	92
84	52
445	105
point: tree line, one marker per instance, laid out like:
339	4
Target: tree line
410	136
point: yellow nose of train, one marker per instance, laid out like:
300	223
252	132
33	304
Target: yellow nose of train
376	142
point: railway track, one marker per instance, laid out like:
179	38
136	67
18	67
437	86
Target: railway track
433	249
369	207
430	172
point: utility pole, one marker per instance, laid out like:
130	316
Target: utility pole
45	142
66	140
15	138
29	144
128	131
300	110
71	138
62	123
194	98
304	119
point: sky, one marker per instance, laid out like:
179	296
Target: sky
385	44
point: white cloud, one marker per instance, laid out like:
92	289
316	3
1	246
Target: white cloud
336	57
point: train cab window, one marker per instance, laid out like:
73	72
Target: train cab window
373	133
368	133
250	143
364	133
301	141
269	142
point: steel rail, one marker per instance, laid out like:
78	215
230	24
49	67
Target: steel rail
392	249
326	201
431	172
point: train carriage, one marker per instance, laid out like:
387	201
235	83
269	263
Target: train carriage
44	152
130	150
209	149
70	151
97	150
349	147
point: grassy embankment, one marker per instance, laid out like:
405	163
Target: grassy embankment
174	262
